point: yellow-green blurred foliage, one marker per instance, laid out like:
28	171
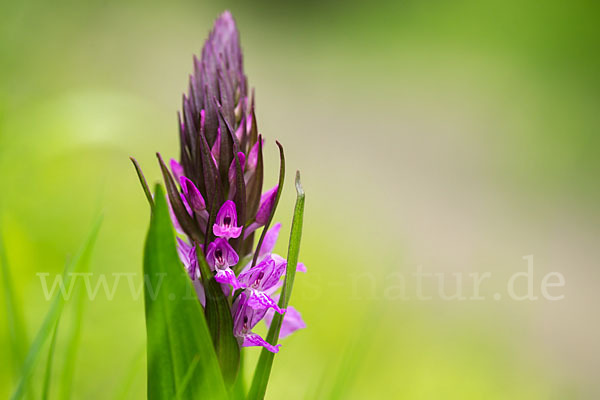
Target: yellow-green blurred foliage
458	136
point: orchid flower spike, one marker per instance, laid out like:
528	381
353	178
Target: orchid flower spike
220	170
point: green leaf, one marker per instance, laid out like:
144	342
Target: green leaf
73	339
238	390
176	329
79	264
265	362
48	371
143	182
14	313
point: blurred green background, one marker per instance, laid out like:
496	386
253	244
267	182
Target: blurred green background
458	136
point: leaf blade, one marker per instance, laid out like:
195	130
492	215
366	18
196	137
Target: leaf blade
14	313
176	329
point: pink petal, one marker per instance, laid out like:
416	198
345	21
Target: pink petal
255	340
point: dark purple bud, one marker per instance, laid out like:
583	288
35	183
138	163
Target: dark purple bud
192	194
267	202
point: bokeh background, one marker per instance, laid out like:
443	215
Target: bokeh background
458	136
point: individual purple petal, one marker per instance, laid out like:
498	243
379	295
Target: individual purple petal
261	218
183	248
267	202
301	267
227	276
253	154
187	255
259	299
255	340
200	292
245	318
192	195
220	254
226	224
186	204
292	321
269	241
176	168
264	275
250	229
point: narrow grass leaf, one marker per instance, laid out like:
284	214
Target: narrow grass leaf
187	378
49	360
143	182
78	264
73	340
339	386
14	313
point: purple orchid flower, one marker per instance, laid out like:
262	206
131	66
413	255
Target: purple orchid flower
261	281
221	256
226	224
244	319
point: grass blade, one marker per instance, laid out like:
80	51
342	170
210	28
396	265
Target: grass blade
14	313
48	371
265	362
79	262
143	182
337	382
187	378
176	329
73	340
